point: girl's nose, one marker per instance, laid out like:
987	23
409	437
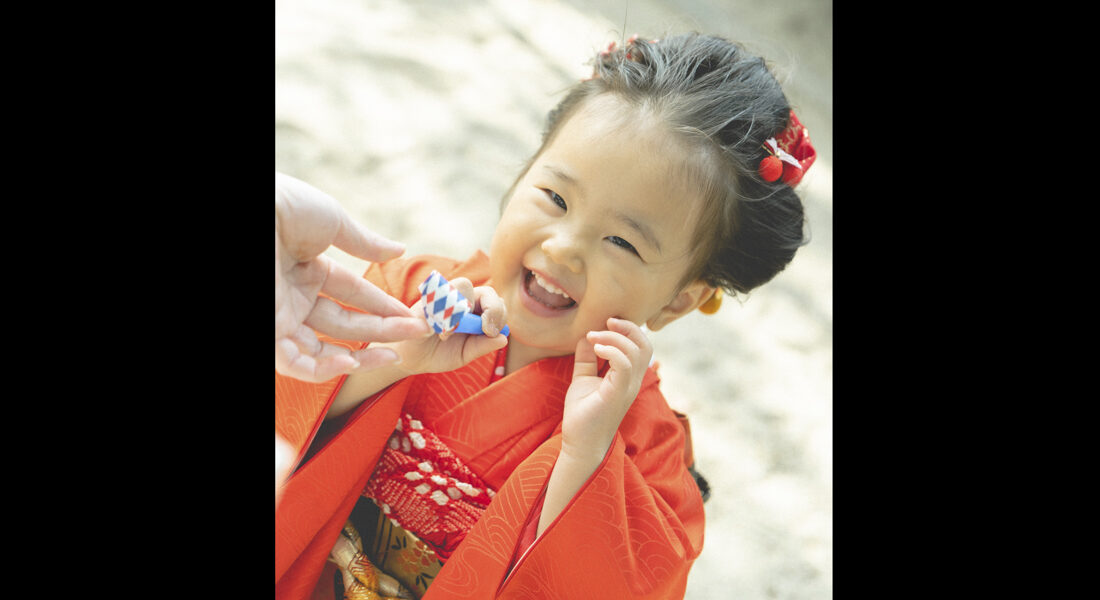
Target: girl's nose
563	251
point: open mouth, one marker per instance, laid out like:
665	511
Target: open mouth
546	293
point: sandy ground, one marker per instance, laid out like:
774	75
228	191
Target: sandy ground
417	116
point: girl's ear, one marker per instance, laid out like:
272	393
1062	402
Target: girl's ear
690	298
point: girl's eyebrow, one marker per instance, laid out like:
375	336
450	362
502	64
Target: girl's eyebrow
638	226
562	174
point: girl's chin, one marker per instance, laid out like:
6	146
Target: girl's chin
537	348
540	336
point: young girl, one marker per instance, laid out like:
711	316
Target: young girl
547	464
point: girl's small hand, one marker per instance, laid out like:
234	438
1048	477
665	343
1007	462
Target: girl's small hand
448	351
595	406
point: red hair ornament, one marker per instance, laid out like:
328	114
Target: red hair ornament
771	167
790	154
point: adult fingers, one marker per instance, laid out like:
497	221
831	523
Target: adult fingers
344	285
291	361
314	220
372	358
355	239
319	361
330	318
309	220
284	457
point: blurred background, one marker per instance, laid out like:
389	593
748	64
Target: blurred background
418	115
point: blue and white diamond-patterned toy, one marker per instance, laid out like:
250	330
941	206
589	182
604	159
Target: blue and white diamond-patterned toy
448	310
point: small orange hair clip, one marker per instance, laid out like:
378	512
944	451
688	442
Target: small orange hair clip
713	303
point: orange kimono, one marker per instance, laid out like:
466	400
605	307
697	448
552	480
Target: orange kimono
633	530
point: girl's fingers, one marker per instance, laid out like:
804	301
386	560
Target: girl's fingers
618	359
464	287
493	313
617	383
484	301
631	331
627	350
615	340
475	346
584	360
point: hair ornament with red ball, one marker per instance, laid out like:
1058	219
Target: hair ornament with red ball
777	163
793	150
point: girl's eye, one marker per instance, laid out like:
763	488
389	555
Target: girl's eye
620	242
556	199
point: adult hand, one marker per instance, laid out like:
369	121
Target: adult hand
284	455
308	222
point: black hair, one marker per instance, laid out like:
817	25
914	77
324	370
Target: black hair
724	102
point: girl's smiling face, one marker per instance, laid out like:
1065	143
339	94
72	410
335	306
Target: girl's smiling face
599	226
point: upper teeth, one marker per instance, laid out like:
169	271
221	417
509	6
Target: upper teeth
549	286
